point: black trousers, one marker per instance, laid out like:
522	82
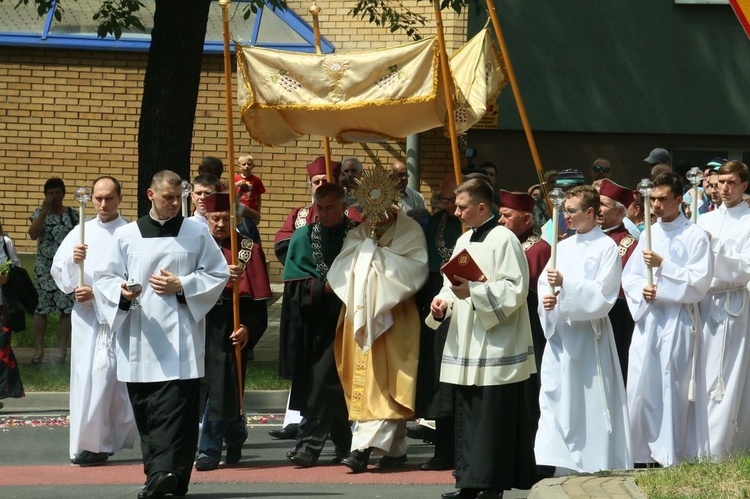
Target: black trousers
494	445
316	433
167	415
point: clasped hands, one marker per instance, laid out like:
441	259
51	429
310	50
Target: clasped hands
163	283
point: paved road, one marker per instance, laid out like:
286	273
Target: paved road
34	464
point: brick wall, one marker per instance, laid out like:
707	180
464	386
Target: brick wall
74	114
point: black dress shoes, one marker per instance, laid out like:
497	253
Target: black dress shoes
159	485
489	494
437	464
87	458
388	462
460	494
304	460
420	432
289	432
357	461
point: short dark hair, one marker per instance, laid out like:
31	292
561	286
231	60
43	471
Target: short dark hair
208	179
737	167
330	189
588	194
54	183
118	187
671	180
488	164
478	189
211	165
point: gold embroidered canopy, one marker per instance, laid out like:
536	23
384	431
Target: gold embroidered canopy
371	96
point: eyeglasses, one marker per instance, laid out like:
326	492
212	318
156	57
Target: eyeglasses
572	211
350	171
202	193
599	169
448	200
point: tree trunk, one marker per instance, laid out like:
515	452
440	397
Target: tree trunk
170	91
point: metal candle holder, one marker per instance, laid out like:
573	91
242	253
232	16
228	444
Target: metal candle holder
557	198
645	187
82	195
187	188
695	176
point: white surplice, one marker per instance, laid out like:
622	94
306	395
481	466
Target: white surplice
584	422
162	339
101	418
668	420
724	311
489	337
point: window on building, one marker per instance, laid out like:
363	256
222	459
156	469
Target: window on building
267	28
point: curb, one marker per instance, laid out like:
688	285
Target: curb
256	401
619	484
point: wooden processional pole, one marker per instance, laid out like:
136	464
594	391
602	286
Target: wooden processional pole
519	103
232	191
315	12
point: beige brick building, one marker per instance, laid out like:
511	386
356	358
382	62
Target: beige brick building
74	114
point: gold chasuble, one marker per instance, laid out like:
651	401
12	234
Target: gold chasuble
377	341
380	383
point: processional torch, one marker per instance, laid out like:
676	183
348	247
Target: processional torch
82	195
187	188
695	176
557	198
645	187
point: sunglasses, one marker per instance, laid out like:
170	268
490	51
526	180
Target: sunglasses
599	169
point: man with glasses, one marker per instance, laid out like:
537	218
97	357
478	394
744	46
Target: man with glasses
584	422
666	387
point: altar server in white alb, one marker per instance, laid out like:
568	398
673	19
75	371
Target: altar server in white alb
101	419
666	386
584	421
161	340
726	320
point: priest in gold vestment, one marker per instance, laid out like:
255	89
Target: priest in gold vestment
382	265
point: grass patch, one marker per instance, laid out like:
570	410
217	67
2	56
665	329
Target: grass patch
702	479
56	377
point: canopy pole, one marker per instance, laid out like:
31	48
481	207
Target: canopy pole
315	10
519	103
232	191
448	90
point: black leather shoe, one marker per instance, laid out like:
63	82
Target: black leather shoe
489	494
304	460
207	463
291	453
420	432
357	461
437	464
159	485
388	462
460	494
87	458
289	432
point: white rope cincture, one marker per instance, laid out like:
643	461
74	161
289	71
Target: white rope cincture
596	324
717	393
104	340
694	328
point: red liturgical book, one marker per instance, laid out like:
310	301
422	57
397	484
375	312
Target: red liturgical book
463	265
